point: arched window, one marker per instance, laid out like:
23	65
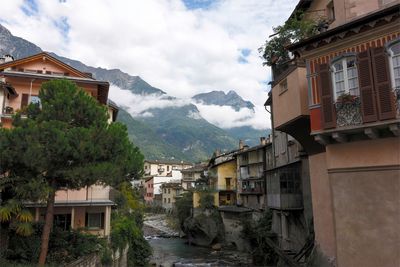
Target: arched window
345	76
394	62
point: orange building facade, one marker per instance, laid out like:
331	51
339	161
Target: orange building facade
20	82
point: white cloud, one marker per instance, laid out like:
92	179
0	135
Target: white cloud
227	117
138	105
181	51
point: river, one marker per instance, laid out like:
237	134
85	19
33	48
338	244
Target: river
171	250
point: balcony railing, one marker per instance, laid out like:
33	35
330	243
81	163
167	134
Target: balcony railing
223	187
255	190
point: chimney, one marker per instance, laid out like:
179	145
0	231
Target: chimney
241	144
245	147
8	58
217	152
2	60
263	141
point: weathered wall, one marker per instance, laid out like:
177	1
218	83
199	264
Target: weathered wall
292	102
324	227
367	216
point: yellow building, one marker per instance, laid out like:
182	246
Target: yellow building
222	180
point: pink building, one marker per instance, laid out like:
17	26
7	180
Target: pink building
20	81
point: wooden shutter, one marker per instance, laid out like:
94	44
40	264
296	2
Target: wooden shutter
366	82
328	115
24	101
382	84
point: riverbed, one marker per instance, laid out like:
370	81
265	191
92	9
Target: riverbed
170	250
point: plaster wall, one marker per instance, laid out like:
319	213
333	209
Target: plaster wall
23	86
367	217
366	153
292	102
227	170
322	205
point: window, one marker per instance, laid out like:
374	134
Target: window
169	200
330	8
165	200
167	168
394	62
95	220
283	86
345	76
62	221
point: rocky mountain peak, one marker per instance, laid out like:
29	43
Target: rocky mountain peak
221	99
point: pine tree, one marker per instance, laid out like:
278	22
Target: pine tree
64	143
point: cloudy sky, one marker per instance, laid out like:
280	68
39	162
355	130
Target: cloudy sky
184	47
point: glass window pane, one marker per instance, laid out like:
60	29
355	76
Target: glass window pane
397	83
396	72
338	66
351	62
395	48
396	61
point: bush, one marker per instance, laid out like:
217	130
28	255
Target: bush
257	233
184	207
64	246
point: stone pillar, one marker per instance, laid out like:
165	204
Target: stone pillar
107	221
73	218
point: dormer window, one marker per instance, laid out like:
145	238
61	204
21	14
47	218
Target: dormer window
345	76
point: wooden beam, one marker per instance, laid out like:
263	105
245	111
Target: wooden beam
322	139
339	137
394	128
371	133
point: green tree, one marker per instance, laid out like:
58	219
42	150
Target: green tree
184	206
126	227
293	30
65	143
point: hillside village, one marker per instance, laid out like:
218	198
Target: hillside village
320	188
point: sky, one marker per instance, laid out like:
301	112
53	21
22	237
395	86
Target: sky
183	47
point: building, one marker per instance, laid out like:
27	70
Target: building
288	187
191	175
164	167
344	112
20	81
153	185
222	179
251	170
170	191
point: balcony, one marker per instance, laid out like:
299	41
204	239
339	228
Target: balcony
223	187
252	191
285	201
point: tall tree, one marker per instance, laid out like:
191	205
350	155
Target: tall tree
64	143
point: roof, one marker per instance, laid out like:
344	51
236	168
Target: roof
197	168
49	57
171	185
169	162
392	10
73	203
253	148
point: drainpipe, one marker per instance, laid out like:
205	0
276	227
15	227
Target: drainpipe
30	90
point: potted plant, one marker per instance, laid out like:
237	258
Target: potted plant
348	110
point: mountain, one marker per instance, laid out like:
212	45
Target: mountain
248	134
15	46
170	133
219	98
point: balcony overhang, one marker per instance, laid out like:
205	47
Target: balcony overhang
299	129
73	203
380	129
